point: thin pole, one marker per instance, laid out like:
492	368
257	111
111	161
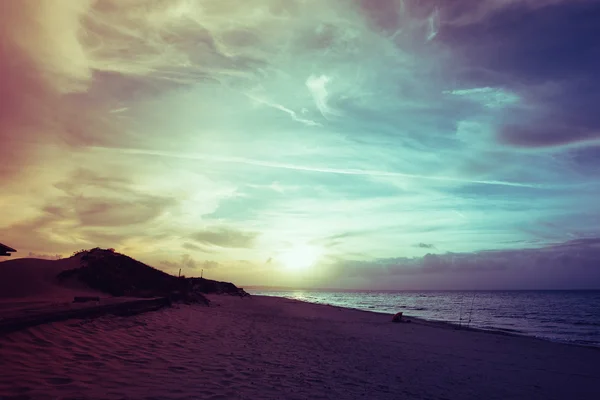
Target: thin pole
471	312
460	314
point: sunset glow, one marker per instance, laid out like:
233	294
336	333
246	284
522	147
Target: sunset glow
299	258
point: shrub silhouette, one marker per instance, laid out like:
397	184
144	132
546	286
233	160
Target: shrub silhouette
120	275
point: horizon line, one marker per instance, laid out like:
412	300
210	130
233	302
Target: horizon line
286	288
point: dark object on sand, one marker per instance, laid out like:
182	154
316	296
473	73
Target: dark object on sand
398	318
5	250
84	299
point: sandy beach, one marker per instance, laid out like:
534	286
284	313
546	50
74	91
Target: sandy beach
275	348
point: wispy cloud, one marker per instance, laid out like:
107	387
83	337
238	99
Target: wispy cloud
425	246
317	85
433	25
279	107
225	237
489	97
340	171
188	265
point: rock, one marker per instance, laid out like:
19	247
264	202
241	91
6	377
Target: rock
397	317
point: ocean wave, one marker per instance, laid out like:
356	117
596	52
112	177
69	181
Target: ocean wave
507	316
564	316
586	323
554	321
509	330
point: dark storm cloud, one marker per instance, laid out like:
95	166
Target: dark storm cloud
549	56
572	264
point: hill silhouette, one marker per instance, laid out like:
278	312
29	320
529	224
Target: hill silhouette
120	275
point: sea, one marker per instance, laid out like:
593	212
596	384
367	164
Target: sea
557	315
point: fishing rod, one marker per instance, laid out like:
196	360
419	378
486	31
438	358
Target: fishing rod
460	313
471	311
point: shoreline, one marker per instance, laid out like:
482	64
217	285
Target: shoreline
452	325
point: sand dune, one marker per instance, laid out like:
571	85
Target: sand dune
29	286
34	290
34	279
272	348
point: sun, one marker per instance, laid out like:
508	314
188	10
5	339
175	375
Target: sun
299	257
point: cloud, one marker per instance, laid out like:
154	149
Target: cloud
547	135
96	201
111	212
169	265
340	171
225	237
187	262
384	14
129	48
317	87
433	25
466	13
192	246
295	116
86	210
425	246
37	38
545	55
489	97
566	265
45	256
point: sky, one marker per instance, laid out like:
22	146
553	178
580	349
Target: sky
376	144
